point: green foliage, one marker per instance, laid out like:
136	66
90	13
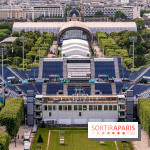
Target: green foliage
119	14
43	125
4	141
40	139
15	34
143	110
99	14
140	24
1	106
143	11
37	19
12	115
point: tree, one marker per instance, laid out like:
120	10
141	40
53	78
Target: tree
139	61
22	32
15	34
43	125
119	14
140	24
40	139
98	14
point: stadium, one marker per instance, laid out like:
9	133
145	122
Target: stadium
77	88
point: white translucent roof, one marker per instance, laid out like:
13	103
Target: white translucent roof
63	25
73	46
77	56
73	50
75	41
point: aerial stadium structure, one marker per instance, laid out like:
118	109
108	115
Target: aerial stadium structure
77	88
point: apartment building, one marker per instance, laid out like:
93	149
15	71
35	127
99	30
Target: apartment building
132	12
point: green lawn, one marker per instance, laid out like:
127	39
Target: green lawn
77	140
124	145
44	133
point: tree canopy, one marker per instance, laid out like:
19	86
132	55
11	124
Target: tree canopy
98	14
119	14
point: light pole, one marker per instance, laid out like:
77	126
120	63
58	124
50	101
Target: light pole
12	53
133	39
145	32
3	52
23	39
39	54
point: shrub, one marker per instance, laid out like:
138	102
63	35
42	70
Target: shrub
4	141
40	139
12	115
1	106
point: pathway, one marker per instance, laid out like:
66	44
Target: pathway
143	144
19	142
96	48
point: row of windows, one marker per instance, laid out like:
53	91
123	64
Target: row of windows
79	107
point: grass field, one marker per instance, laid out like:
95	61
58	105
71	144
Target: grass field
124	145
74	140
78	140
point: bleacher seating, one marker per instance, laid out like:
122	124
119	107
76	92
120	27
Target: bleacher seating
38	87
145	74
52	68
120	68
7	73
127	85
33	73
25	87
119	86
137	89
52	88
72	91
20	73
126	73
105	68
105	88
135	74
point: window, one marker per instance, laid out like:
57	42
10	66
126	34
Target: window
80	107
75	107
54	107
99	107
90	107
64	107
49	107
114	107
105	107
69	107
60	107
110	107
80	113
50	114
84	107
94	107
45	107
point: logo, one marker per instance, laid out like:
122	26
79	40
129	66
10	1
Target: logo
106	130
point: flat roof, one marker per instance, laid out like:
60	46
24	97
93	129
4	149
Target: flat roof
9	40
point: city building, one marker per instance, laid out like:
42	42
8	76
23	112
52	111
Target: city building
131	12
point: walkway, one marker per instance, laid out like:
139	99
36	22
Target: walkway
53	48
96	48
143	144
19	142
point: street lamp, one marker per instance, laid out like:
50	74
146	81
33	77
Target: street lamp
23	39
12	53
133	39
3	51
145	32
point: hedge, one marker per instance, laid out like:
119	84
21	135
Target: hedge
1	106
4	141
12	114
143	109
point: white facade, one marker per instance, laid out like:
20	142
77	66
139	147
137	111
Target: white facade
131	12
80	113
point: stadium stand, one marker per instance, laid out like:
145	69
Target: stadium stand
33	73
105	88
126	73
119	86
20	73
52	88
52	68
120	68
105	68
135	74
